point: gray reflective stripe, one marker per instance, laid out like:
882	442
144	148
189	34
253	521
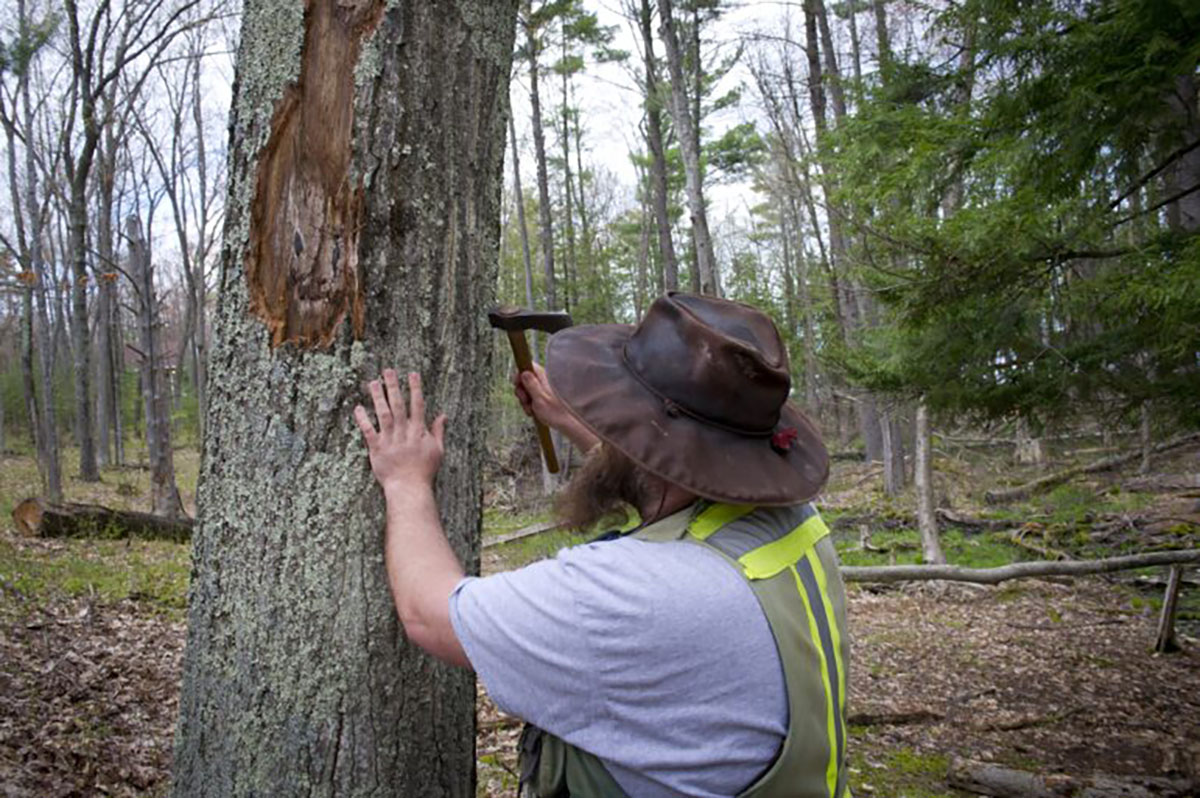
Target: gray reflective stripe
765	525
817	602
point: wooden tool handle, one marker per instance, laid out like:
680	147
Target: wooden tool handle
520	348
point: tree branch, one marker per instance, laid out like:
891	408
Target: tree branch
887	574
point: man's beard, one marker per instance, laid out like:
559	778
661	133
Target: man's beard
604	485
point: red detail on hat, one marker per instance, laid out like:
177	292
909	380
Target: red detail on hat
783	439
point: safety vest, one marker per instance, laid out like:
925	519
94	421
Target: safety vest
786	555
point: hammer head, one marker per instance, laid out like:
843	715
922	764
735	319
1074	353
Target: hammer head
514	318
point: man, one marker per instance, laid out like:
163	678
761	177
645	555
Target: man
704	653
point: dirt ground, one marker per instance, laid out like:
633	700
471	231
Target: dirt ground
1042	676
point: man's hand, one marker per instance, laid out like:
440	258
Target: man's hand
538	400
404	452
422	570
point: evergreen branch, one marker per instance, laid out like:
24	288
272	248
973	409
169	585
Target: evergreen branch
1173	198
1146	178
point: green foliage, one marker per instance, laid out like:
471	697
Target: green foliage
1009	236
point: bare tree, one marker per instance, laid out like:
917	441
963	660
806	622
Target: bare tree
164	495
29	209
686	131
109	44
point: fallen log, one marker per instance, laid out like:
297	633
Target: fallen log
524	532
1057	478
1166	642
36	518
1164	483
899	718
994	576
985	778
951	518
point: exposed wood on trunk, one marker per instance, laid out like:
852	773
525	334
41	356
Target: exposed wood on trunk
985	778
36	518
1165	641
302	260
993	576
1057	478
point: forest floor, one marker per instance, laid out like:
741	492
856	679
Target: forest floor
1038	675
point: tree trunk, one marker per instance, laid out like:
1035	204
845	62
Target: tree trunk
47	438
923	478
685	131
81	343
1145	439
164	495
893	453
545	225
297	677
658	158
568	216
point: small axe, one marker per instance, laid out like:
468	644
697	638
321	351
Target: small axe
515	321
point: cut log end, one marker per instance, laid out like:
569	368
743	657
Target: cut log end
36	518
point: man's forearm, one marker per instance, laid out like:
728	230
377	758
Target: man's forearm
422	570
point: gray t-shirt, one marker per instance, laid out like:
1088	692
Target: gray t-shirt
655	657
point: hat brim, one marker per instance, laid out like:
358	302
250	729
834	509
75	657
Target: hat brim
586	368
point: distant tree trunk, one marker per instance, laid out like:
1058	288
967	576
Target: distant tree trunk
1030	450
1146	441
893	453
297	678
685	131
519	195
545	226
931	546
164	495
570	266
105	278
658	157
49	464
1184	213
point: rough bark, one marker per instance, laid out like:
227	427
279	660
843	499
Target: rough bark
893	453
923	478
689	143
297	677
164	495
36	518
658	158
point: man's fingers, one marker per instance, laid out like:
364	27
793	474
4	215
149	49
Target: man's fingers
394	396
382	411
417	412
364	424
439	430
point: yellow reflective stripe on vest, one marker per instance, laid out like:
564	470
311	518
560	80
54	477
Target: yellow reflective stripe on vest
716	516
834	633
809	593
766	561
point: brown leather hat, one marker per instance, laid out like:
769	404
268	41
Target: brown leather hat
696	394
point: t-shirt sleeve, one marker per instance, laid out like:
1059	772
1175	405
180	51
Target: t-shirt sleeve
529	636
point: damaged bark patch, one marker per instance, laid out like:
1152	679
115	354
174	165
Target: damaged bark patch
302	258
